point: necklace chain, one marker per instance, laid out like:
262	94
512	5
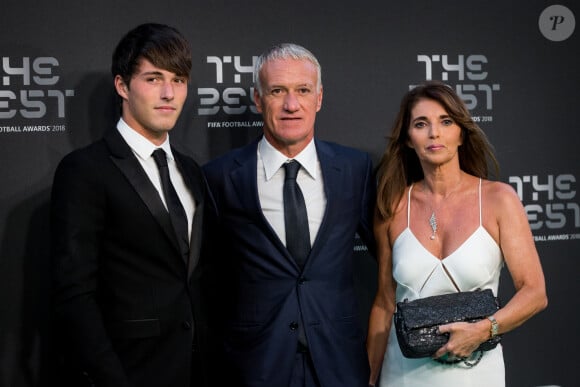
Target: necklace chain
433	217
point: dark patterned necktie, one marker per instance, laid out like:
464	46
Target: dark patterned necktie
295	217
174	207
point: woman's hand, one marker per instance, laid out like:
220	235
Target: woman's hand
464	338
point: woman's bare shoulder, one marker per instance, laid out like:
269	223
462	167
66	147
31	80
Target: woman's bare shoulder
502	195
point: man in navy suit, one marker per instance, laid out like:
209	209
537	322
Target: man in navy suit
289	321
128	294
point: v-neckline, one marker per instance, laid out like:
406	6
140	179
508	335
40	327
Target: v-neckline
448	255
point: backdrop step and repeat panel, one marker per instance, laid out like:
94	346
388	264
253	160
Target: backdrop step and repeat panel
516	65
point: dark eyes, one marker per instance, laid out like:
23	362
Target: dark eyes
159	79
301	91
423	124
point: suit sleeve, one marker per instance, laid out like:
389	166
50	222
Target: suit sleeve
77	223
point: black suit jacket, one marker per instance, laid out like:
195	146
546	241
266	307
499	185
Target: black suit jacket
130	306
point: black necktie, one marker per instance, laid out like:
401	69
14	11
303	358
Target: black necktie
295	217
174	207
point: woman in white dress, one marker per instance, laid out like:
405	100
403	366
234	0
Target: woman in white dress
442	227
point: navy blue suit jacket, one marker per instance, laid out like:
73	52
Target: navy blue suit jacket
268	290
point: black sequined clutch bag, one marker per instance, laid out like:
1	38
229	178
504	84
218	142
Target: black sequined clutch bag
417	321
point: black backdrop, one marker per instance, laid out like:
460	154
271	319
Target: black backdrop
515	64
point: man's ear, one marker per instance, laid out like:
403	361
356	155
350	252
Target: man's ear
319	100
121	87
257	101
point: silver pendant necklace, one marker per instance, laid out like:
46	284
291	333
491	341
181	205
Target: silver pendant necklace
433	223
433	217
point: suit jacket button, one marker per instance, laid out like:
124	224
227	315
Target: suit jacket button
293	325
302	280
186	325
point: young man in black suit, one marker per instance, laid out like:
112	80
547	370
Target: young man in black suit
127	274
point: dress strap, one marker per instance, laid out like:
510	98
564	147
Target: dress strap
409	207
480	217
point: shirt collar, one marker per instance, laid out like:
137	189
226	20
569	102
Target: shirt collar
273	159
142	147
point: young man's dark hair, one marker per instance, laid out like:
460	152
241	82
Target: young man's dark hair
162	45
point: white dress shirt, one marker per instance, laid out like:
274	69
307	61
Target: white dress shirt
271	185
143	150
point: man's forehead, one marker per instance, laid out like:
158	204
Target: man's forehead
295	71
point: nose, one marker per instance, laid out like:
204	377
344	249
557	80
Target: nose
291	103
167	92
434	130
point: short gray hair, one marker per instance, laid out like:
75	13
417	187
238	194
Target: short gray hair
285	51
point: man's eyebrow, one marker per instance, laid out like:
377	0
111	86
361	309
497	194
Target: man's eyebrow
151	73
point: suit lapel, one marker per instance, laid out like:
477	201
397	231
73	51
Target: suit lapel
247	193
331	176
245	172
128	164
195	185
